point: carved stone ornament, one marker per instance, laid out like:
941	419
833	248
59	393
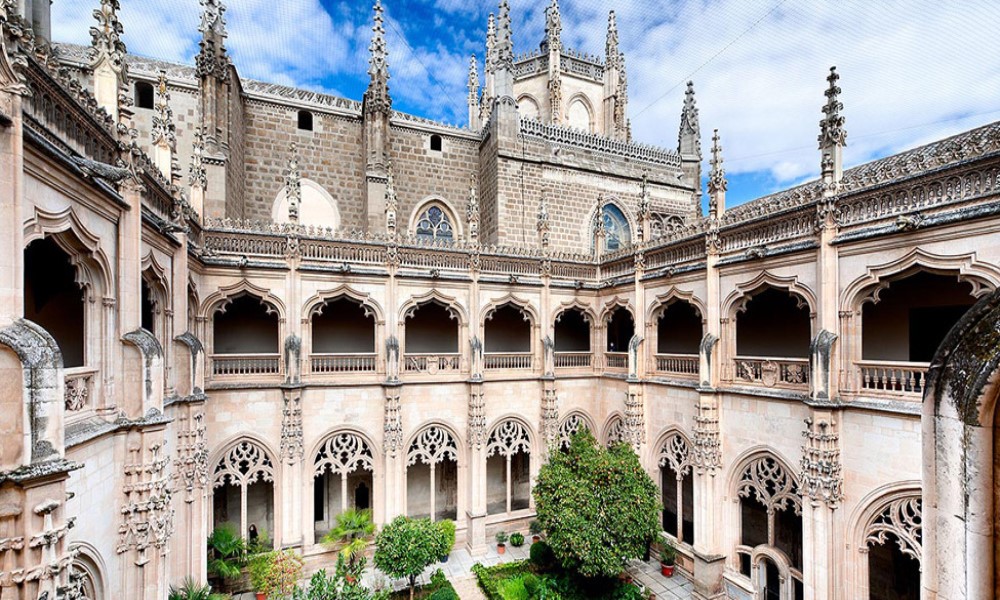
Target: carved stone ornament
191	462
617	432
291	428
393	427
676	452
432	446
765	480
507	439
342	454
900	522
147	513
477	417
822	479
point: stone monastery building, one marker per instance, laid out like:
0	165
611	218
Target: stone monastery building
229	301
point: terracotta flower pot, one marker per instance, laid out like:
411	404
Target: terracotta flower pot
667	570
501	548
261	596
535	539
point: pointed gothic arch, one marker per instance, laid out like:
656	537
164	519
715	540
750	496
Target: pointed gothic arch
509	448
614	430
243	463
223	296
436	448
454	307
93	268
344	463
587	310
435	218
573	422
888	521
673	454
315	304
743	292
610	207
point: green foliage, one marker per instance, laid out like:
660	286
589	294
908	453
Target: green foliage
405	547
531	584
598	506
438	580
534	527
190	590
275	572
227	552
353	530
445	593
668	554
541	555
513	589
517	539
448	530
261	544
336	587
501	537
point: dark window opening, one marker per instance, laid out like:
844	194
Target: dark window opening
788	535
432	328
507	330
246	327
774	324
745	564
669	482
343	327
687	509
148	310
144	95
305	120
772	580
436	143
678	330
53	299
892	575
913	316
572	332
621	328
319	501
753	522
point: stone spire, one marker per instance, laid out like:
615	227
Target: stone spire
474	108
491	44
293	184
611	51
107	51
832	135
391	202
553	41
377	97
212	58
164	131
689	143
489	70
505	39
717	184
621	125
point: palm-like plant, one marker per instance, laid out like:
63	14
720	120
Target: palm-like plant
190	590
354	529
228	552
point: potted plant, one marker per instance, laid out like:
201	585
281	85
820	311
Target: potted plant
227	554
447	527
353	531
536	530
260	572
517	539
667	557
275	573
501	542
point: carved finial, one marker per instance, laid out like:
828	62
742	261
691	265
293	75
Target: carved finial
505	39
212	58
377	97
391	203
645	206
106	37
543	219
472	211
717	177
293	184
164	130
491	44
689	136
473	82
553	26
832	132
198	177
611	52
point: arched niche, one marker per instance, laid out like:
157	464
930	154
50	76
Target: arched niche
316	207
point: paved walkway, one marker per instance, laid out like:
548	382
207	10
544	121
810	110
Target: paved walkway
458	568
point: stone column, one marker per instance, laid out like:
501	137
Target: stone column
822	491
188	557
475	534
395	454
11	191
291	478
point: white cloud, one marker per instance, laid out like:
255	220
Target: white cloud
903	63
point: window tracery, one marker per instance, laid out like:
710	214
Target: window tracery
901	519
573	423
342	454
433	445
434	223
765	480
617	432
617	233
507	439
244	464
676	452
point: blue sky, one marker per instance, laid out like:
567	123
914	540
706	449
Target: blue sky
912	70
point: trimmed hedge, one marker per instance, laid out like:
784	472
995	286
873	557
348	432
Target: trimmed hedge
489	578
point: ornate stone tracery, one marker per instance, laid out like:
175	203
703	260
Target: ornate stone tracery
244	464
147	513
901	519
676	452
507	439
765	479
434	444
343	453
617	432
573	423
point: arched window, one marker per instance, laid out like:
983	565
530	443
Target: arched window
434	222
528	108
342	479
436	143
243	489
578	116
305	120
893	541
53	298
343	337
621	328
573	423
677	486
616	433
144	96
615	227
432	475
508	468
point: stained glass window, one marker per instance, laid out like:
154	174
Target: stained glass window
616	230
434	224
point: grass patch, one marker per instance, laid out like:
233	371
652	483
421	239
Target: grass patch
523	580
439	588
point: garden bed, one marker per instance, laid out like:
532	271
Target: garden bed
439	588
523	580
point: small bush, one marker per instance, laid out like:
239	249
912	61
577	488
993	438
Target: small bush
513	589
541	555
445	593
438	580
448	529
531	584
516	539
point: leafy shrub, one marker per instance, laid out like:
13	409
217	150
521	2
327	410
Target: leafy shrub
534	527
501	537
489	578
516	539
448	530
190	590
531	584
405	547
541	555
438	580
445	593
227	552
513	589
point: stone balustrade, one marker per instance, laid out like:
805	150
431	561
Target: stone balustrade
244	365
789	373
342	363
677	364
892	378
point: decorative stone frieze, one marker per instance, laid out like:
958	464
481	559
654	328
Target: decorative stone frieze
635	418
707	443
393	428
292	447
821	476
767	481
147	513
191	462
433	445
342	454
550	415
901	519
477	416
573	423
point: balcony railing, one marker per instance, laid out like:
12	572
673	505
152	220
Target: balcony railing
677	364
772	372
432	363
892	378
342	363
574	360
243	365
79	391
507	361
616	360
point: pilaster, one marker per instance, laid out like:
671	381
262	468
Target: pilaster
12	89
475	533
292	452
822	492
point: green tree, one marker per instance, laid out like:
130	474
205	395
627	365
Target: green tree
405	547
597	505
354	528
227	552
